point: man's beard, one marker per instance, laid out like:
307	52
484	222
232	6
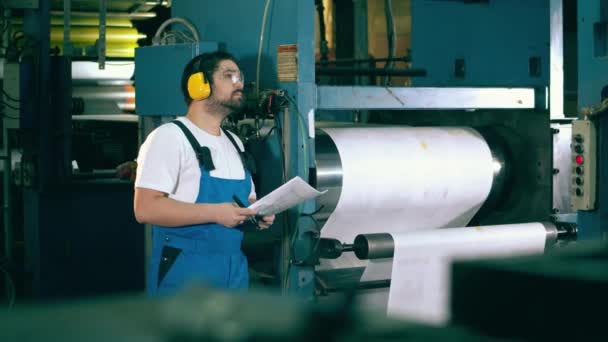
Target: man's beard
230	105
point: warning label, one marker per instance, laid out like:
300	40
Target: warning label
287	63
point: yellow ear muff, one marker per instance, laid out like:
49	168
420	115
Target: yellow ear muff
198	86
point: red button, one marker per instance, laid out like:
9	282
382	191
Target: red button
579	159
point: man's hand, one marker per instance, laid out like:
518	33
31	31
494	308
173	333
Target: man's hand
266	221
231	215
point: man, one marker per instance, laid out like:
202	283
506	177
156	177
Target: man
189	173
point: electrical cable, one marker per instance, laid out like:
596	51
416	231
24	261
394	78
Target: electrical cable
284	256
9	96
157	38
277	125
269	132
262	34
185	37
9	105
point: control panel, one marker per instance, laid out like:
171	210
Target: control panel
584	168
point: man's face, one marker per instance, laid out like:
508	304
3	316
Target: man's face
228	86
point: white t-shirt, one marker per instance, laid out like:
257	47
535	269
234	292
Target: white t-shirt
167	162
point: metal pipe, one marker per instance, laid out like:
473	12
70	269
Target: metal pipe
84	21
104	92
92	107
88	35
405	59
260	45
556	54
134	16
370	71
87	72
107	117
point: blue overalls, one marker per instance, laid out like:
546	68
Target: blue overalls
205	253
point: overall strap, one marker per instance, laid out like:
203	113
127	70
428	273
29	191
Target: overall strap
248	163
203	154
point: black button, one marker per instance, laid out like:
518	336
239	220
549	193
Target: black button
578	148
579	181
578	138
579	170
579	192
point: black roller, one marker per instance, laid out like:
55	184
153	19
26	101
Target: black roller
374	246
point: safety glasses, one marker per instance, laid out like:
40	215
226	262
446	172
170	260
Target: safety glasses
234	76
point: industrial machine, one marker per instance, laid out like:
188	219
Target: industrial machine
512	108
68	123
440	131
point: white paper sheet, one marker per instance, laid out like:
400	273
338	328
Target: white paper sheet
290	194
420	283
399	179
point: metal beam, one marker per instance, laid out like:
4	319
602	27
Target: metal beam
399	98
556	74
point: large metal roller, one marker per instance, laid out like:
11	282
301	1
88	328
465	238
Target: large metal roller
381	245
329	172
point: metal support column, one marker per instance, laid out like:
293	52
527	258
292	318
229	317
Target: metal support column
301	274
556	74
